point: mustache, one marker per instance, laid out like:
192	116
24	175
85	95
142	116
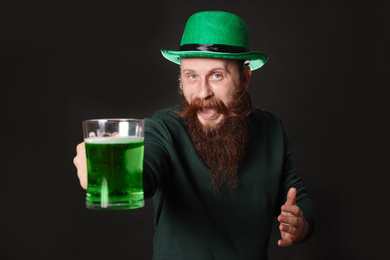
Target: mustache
231	110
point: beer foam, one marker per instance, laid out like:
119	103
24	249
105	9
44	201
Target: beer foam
114	140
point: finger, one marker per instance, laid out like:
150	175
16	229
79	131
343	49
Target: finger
291	196
80	156
84	184
291	209
288	229
76	161
80	148
290	221
285	242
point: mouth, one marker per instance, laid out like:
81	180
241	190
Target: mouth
208	112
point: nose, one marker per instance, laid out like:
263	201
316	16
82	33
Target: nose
204	90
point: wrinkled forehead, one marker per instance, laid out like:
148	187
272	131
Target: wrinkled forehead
207	64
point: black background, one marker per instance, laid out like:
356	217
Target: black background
60	64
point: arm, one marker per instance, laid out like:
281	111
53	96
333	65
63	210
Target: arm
156	160
297	215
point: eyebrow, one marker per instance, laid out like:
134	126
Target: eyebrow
188	70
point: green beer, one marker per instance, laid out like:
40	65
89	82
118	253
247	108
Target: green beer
115	166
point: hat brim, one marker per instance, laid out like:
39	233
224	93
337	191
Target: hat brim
257	58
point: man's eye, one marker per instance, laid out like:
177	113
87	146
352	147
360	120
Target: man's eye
192	76
217	76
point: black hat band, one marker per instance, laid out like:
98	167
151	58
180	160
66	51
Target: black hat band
213	48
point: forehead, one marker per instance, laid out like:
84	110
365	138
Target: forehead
207	64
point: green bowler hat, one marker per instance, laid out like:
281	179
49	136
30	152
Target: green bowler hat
216	34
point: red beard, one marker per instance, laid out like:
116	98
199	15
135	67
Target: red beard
221	146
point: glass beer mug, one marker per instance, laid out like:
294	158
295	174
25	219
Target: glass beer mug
115	155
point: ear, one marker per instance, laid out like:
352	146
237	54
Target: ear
246	76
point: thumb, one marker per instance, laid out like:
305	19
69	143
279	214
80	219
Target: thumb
291	196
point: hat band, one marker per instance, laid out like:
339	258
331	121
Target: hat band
213	48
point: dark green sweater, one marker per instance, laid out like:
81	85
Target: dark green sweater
191	221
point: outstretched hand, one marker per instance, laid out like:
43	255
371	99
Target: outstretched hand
293	226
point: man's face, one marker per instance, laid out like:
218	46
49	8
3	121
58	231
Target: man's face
215	105
207	78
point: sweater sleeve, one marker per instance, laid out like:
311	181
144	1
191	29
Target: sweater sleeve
291	179
156	160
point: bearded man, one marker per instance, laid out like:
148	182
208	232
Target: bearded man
218	169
